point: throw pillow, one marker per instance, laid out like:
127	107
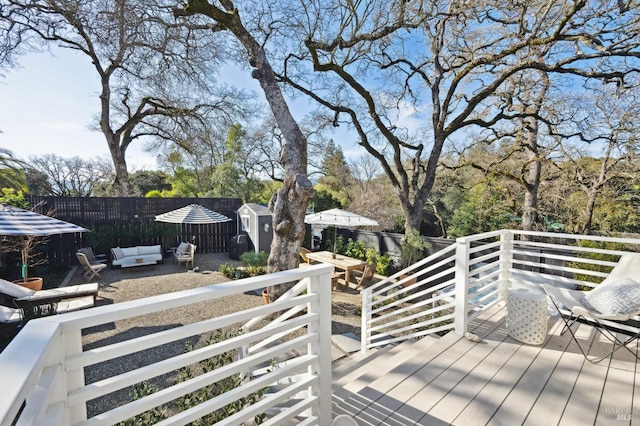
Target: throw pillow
182	247
117	253
615	297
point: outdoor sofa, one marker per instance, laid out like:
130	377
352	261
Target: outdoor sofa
14	299
136	256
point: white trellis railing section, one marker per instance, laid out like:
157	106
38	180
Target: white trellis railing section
443	291
42	370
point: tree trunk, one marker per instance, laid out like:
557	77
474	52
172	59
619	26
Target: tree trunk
121	181
591	205
532	180
438	215
532	183
289	204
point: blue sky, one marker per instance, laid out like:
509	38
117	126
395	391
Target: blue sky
47	105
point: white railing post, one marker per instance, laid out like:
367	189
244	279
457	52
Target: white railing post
461	273
506	262
321	284
61	390
365	334
75	378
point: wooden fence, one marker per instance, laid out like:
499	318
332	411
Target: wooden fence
124	222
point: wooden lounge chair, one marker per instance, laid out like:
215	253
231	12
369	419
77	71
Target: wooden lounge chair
91	269
335	277
303	254
92	257
364	280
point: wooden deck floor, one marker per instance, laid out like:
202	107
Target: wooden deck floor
498	381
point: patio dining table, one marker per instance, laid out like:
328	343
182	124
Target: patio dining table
342	262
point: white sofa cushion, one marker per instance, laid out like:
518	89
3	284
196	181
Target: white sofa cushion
129	251
66	292
148	254
149	250
14	290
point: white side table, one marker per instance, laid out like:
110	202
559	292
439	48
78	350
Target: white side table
527	316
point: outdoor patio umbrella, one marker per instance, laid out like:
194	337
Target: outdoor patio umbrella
15	221
193	214
338	217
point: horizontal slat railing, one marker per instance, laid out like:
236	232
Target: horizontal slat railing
405	305
484	266
45	360
43	368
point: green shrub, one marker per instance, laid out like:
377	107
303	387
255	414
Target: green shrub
340	246
201	395
383	262
227	270
251	258
254	271
359	250
140	390
234	272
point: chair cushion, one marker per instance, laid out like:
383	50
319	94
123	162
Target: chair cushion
620	297
117	253
8	315
14	290
182	247
627	267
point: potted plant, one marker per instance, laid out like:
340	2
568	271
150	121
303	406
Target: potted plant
26	245
28	230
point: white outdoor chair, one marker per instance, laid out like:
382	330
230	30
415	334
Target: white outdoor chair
610	307
186	252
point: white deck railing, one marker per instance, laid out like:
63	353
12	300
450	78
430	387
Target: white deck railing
43	368
283	346
443	291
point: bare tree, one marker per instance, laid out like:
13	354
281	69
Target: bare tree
156	80
379	63
522	160
289	204
604	143
74	176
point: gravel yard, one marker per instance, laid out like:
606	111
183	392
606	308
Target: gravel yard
119	285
